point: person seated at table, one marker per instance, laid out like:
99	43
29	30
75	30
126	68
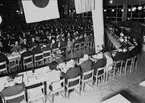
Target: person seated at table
13	88
32	42
86	64
99	61
118	55
37	49
16	47
71	71
24	43
54	44
3	58
27	53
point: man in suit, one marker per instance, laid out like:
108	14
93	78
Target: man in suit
13	88
37	49
86	64
71	71
100	61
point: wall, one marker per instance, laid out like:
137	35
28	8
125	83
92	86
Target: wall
106	2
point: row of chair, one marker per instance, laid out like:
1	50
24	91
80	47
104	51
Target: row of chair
43	58
119	67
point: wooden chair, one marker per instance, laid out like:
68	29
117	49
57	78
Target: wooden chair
57	87
76	50
87	78
47	56
28	62
100	75
118	67
77	85
35	91
14	65
128	66
6	99
3	68
110	73
38	60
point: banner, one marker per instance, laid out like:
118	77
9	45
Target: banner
82	6
40	10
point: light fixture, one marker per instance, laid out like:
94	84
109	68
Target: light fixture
104	10
129	10
134	8
1	20
111	1
122	10
140	7
113	10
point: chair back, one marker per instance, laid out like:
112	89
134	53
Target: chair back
6	99
76	80
87	76
3	67
14	65
47	56
101	72
38	59
128	62
28	62
35	91
58	86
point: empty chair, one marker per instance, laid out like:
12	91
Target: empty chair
57	87
100	75
3	67
28	62
128	66
14	97
47	56
73	83
118	67
87	78
76	50
38	60
35	92
14	65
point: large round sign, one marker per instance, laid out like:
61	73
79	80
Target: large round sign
0	19
40	3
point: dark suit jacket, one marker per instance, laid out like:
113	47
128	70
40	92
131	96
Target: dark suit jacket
3	58
119	56
135	51
72	73
13	90
36	50
86	66
25	54
100	63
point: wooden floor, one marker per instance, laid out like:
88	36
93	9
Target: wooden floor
129	83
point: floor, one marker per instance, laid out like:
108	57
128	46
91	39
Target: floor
96	95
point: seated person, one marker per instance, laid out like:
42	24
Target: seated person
86	64
16	47
71	71
13	88
27	53
37	49
100	61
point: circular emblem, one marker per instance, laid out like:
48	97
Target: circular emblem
40	3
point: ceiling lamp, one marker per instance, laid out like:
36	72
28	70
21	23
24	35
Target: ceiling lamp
129	9
140	7
104	10
111	1
113	10
134	8
122	10
0	19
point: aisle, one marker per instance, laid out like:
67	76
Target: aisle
129	83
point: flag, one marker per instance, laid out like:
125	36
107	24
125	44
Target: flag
40	10
82	6
98	23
